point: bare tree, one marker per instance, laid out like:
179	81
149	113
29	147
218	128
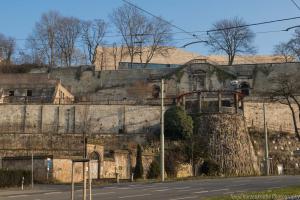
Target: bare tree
142	36
43	39
290	49
118	52
92	35
231	37
284	50
37	52
293	45
156	42
286	91
68	31
7	48
115	54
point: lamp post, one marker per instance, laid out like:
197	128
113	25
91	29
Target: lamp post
162	136
267	163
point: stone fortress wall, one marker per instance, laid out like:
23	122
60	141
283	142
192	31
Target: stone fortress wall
278	116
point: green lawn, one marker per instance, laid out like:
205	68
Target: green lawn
274	194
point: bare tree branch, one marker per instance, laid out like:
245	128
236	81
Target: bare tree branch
93	33
7	48
231	41
142	36
285	91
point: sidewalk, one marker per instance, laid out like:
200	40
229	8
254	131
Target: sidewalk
37	189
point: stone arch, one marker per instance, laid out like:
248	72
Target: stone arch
245	88
95	161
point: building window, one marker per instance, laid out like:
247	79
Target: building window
29	93
11	93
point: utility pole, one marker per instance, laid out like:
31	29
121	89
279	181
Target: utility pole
267	167
31	169
162	137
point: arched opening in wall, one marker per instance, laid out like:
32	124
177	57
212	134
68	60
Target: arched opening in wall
245	88
95	164
155	91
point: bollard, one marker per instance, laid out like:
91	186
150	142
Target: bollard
22	183
132	177
117	178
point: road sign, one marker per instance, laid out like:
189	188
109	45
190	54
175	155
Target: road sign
296	153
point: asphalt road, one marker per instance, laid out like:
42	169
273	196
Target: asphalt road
181	190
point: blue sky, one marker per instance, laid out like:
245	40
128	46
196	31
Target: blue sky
19	16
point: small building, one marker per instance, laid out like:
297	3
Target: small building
33	88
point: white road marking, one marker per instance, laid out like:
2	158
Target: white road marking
103	193
188	190
238	185
154	188
204	191
48	193
125	188
190	197
240	191
22	195
225	189
130	196
181	188
162	190
110	187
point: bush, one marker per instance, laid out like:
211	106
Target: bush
11	178
24	68
178	125
138	170
154	170
210	168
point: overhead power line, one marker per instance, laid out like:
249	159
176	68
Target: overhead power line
254	24
151	14
292	28
295	4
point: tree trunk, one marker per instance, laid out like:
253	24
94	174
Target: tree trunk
230	59
298	105
294	118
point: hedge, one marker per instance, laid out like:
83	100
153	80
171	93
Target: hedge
11	178
154	170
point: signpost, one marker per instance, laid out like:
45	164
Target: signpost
83	161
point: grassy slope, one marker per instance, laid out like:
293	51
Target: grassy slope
273	194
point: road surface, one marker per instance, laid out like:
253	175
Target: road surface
181	190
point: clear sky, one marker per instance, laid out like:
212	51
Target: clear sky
19	16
